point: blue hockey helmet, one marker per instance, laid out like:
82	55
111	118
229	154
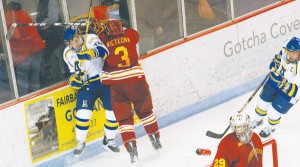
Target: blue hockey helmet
293	45
70	33
114	27
293	50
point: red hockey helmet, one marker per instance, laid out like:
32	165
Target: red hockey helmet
114	27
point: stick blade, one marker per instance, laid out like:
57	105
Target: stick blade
214	135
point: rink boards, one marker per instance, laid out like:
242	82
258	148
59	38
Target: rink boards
183	80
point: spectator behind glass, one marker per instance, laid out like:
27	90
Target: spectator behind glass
204	14
212	12
26	48
48	12
205	11
149	23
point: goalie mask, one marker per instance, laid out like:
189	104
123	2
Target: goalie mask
240	124
293	50
114	27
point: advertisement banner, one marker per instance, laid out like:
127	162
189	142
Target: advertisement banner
51	123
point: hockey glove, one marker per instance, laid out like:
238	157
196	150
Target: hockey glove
288	88
276	78
75	81
98	27
283	85
88	54
276	62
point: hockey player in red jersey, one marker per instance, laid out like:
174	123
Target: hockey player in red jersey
128	86
242	148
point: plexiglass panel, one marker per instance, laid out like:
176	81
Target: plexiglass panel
204	14
36	50
157	23
6	88
242	7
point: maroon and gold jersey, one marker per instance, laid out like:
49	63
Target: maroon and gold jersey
232	153
122	64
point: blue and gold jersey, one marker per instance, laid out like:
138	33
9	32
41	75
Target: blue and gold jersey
290	71
89	69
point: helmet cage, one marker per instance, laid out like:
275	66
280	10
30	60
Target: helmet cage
114	27
240	124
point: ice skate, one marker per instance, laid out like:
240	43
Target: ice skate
110	145
254	124
266	132
155	141
79	149
132	152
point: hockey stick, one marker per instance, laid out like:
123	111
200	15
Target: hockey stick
88	21
15	25
87	28
219	136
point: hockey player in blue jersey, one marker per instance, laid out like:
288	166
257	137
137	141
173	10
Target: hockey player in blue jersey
281	91
85	56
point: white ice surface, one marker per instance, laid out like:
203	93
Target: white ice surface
181	140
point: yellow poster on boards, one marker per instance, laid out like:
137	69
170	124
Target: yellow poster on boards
51	122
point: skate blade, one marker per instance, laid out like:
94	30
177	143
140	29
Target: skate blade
78	155
135	164
159	150
109	150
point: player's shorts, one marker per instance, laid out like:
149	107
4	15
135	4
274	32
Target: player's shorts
89	93
276	98
122	95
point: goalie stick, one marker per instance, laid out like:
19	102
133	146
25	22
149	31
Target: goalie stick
15	25
219	136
